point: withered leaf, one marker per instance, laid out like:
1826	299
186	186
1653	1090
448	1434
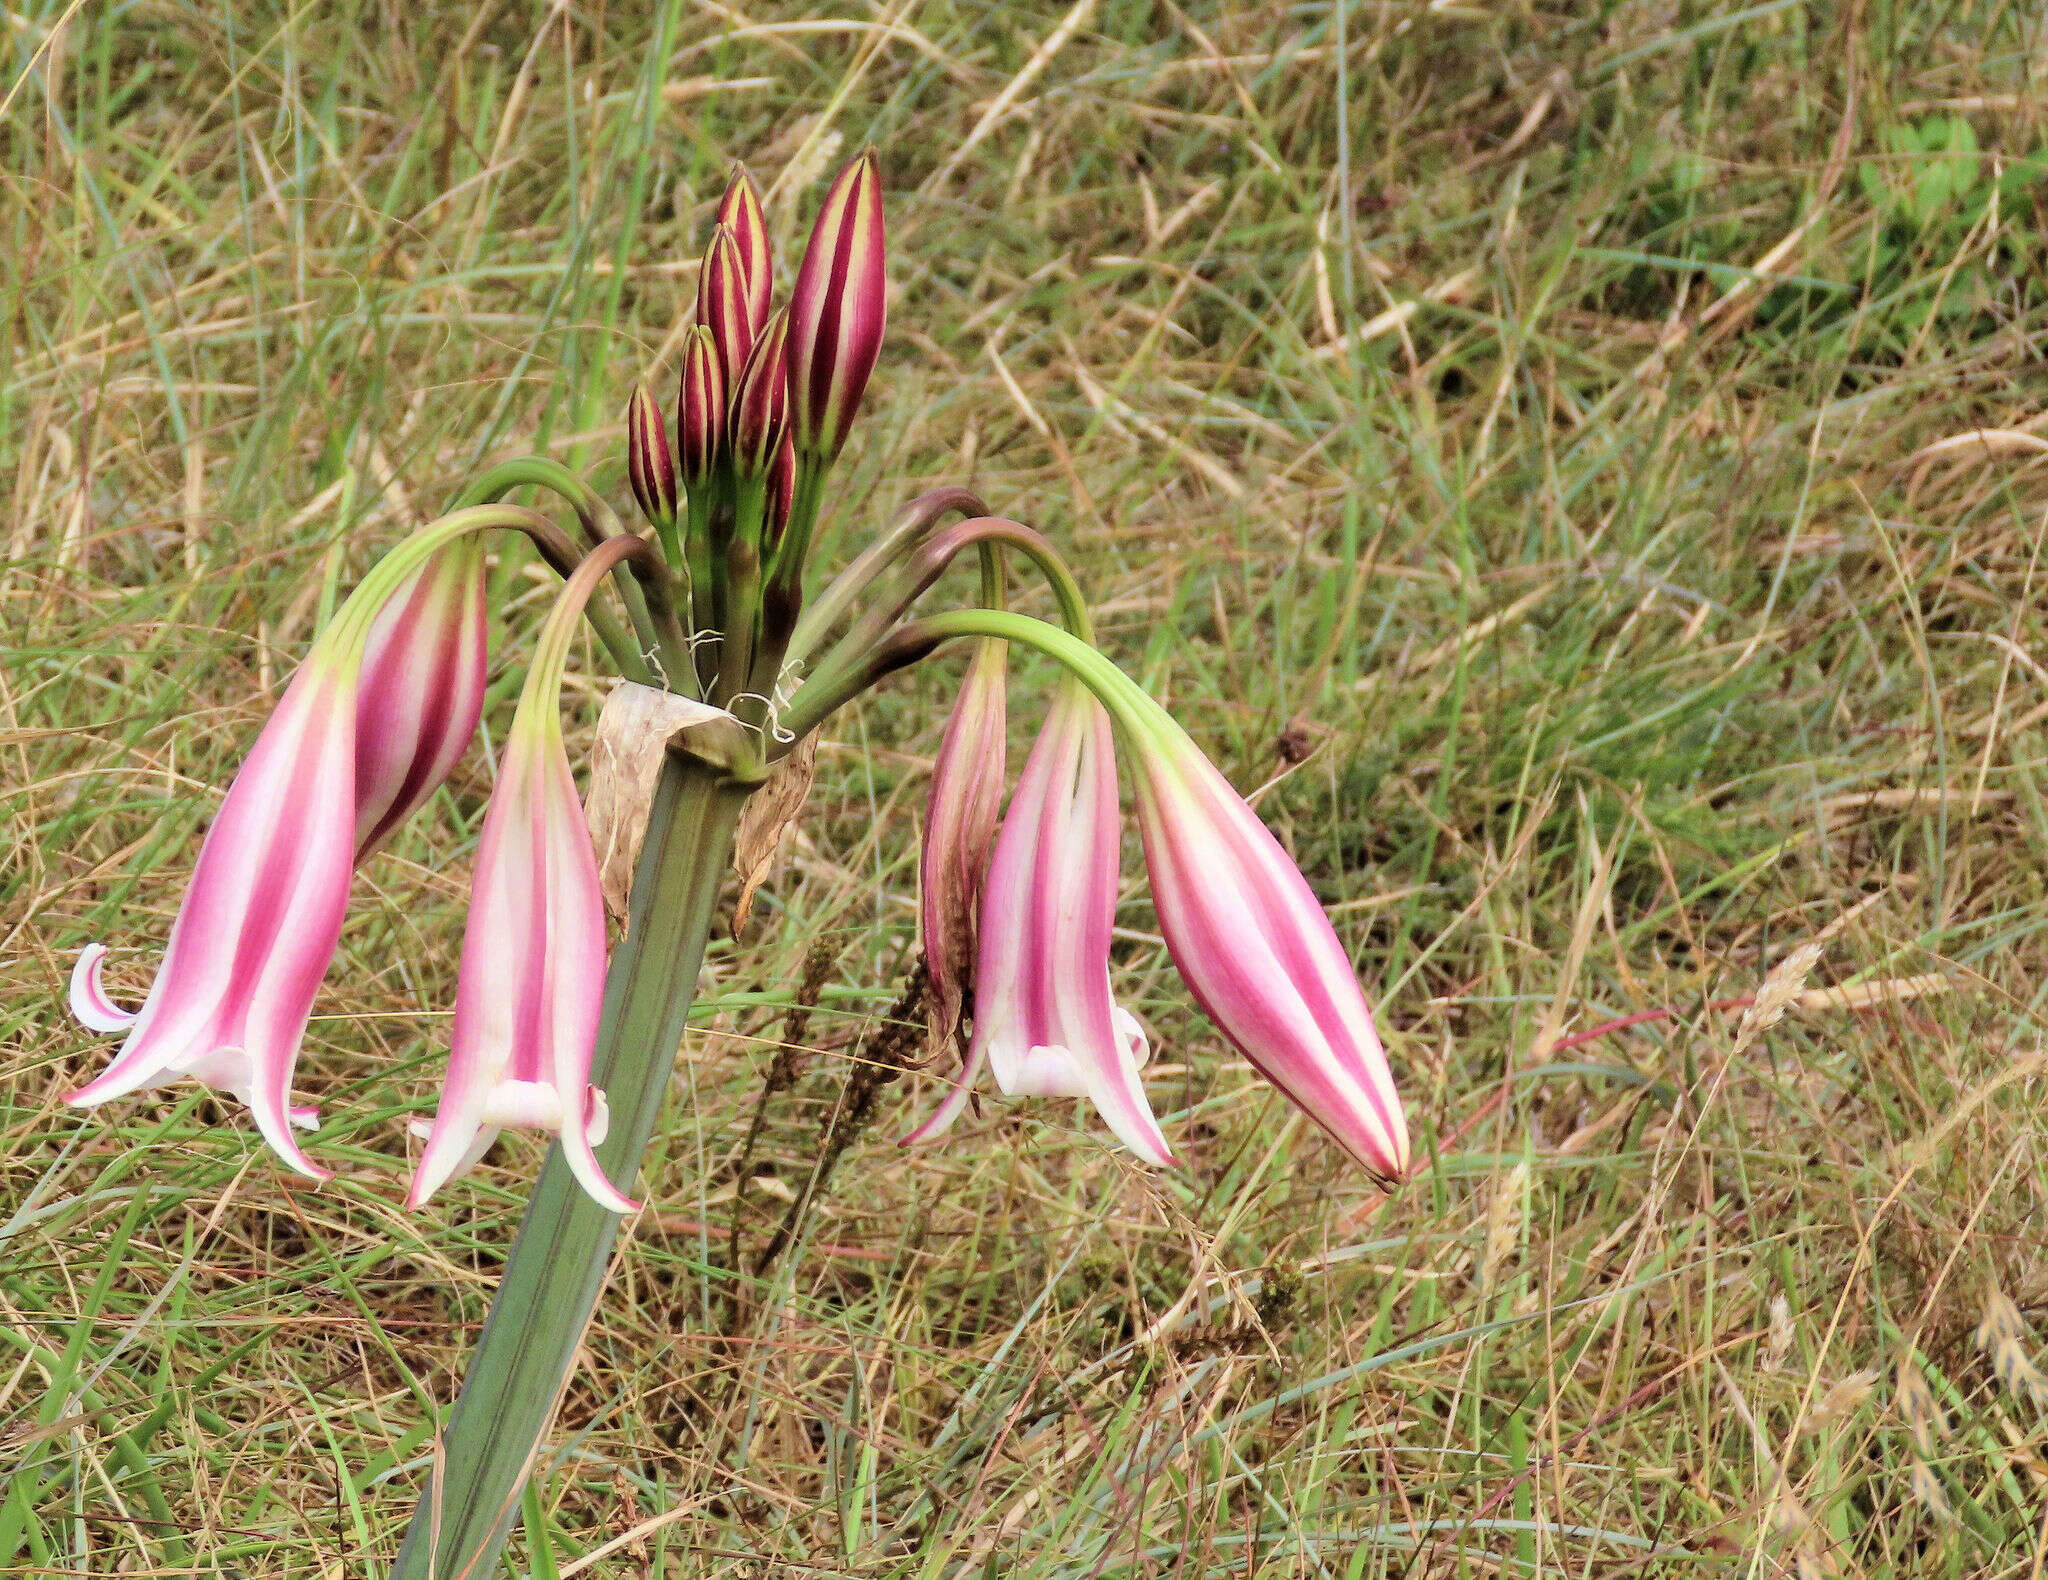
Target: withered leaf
767	818
633	731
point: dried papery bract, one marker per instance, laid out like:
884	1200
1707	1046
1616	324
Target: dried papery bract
838	309
635	731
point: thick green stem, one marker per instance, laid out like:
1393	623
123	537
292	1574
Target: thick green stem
556	1271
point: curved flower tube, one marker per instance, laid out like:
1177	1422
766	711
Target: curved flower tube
530	991
913	524
959	830
421	694
1044	1019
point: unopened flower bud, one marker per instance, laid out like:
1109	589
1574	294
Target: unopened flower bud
781	487
837	311
760	405
722	303
739	211
700	414
650	466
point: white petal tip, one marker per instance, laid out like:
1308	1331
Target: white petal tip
90	1006
304	1118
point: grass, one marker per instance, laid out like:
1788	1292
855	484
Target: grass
1585	468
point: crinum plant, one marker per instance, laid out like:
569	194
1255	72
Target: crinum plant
554	1030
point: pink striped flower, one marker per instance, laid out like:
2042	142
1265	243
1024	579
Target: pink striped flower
1257	952
530	991
422	690
1044	1020
959	831
259	924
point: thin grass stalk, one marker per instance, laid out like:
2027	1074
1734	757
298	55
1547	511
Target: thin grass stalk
556	1270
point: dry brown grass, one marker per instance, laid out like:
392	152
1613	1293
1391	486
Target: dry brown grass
1603	511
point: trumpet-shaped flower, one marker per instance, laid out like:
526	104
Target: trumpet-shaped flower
421	693
959	831
837	311
1044	1019
1257	952
530	990
259	924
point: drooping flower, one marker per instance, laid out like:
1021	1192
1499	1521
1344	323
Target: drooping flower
530	989
260	922
838	309
1044	1019
959	832
1258	953
421	692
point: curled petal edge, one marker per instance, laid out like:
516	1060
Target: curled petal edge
90	1006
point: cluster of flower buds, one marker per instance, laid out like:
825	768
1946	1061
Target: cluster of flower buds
764	406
